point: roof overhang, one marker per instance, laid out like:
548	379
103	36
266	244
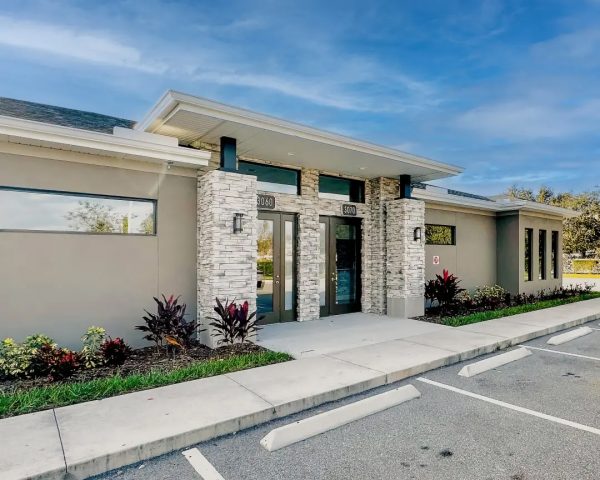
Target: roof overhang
123	143
197	120
438	196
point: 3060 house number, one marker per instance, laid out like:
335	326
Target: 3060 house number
265	202
349	210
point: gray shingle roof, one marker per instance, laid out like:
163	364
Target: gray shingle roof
65	117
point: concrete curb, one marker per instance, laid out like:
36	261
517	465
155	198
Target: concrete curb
309	427
493	362
135	452
567	337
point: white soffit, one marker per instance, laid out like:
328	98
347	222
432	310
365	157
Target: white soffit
193	119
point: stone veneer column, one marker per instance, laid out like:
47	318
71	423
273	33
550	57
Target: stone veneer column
405	270
308	247
382	190
226	261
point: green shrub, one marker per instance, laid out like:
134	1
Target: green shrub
15	359
585	265
91	355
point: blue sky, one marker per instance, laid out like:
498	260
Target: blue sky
509	90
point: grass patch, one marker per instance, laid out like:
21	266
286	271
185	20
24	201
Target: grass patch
60	395
508	311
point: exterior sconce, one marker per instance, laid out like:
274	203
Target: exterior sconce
238	226
417	234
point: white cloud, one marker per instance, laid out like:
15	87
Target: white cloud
528	119
576	46
334	90
93	47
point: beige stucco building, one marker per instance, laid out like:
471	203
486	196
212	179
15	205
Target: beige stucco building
203	200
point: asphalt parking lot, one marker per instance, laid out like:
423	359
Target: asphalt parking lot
536	418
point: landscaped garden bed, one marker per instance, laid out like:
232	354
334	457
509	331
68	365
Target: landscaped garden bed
37	374
451	305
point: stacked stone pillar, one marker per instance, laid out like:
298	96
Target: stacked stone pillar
226	260
308	247
405	259
382	191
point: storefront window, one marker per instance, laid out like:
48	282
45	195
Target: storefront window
52	211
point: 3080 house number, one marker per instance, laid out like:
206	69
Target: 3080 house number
265	202
349	210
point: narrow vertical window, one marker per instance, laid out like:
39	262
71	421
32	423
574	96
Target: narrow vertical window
554	254
542	254
528	275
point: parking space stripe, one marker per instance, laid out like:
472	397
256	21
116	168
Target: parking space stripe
201	465
510	406
562	353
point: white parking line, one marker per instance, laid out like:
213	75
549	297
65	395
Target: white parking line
510	406
201	465
561	353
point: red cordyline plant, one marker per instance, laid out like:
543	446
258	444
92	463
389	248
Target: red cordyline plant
444	289
234	322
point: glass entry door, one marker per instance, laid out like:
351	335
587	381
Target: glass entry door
339	265
276	262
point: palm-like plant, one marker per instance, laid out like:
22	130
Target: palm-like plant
234	323
168	325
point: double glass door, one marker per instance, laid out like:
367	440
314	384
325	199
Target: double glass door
339	265
276	279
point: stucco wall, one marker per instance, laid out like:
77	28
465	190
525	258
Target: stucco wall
510	255
473	258
61	283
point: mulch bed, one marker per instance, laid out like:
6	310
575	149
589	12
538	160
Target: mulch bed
431	318
142	360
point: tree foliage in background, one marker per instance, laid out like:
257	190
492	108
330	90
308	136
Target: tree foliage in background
581	234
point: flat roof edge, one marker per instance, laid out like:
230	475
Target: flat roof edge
172	99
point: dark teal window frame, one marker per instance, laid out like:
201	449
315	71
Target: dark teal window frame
355	190
267	174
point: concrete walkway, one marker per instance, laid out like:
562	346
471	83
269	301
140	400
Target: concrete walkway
339	332
95	437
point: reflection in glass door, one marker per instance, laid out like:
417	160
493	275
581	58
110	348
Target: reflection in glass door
276	267
339	265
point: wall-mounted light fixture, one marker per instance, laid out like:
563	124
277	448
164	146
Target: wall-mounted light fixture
417	234
238	226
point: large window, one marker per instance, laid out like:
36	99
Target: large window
272	179
41	210
528	271
554	259
343	189
440	234
542	254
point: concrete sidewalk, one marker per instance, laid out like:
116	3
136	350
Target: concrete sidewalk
95	437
